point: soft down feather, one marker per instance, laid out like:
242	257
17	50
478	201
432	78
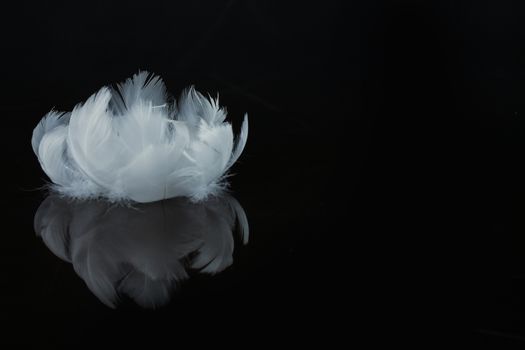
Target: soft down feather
129	143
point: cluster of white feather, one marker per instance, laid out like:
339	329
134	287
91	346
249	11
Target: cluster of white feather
129	143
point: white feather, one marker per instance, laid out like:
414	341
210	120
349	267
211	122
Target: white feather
131	144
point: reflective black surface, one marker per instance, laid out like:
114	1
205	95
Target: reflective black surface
382	179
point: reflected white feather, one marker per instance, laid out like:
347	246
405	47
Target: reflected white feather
142	252
131	144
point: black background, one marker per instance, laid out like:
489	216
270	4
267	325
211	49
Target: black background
382	177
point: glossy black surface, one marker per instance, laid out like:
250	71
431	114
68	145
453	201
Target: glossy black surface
382	180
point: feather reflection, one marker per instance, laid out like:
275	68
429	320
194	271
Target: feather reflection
141	252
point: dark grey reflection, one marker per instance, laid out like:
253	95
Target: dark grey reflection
141	252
